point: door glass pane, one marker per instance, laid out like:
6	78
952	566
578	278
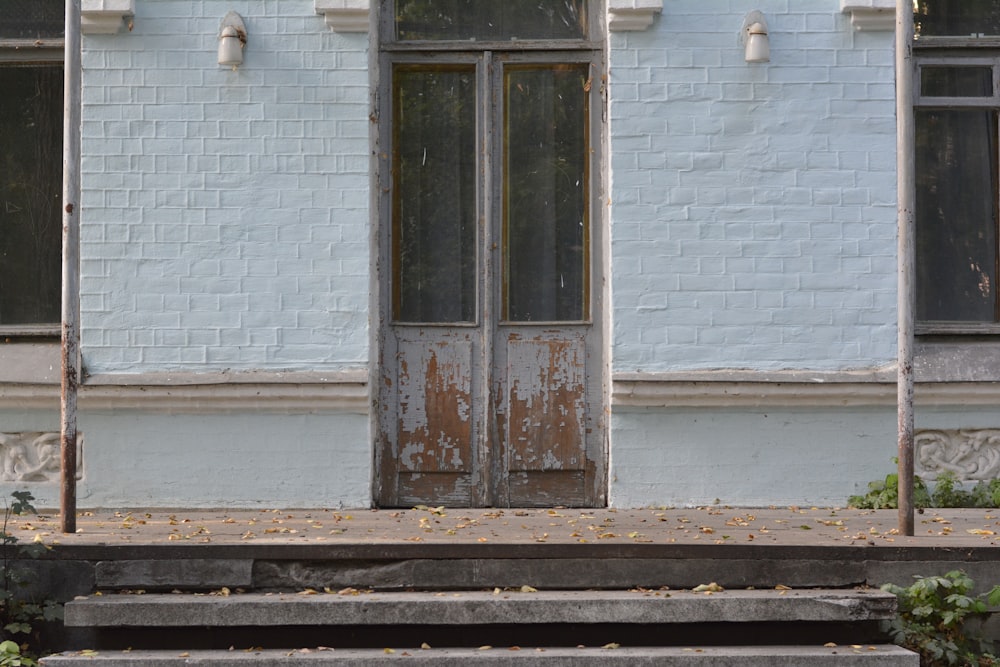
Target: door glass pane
490	19
956	214
30	194
545	192
946	81
434	213
959	18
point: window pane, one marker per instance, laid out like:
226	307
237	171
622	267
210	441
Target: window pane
31	19
434	225
490	19
545	195
30	194
956	214
934	18
942	81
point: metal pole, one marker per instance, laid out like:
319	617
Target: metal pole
906	300
70	264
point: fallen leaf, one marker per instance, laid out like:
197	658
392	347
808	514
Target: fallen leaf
528	589
980	531
708	588
612	645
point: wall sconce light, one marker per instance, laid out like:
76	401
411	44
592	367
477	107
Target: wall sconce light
232	39
757	47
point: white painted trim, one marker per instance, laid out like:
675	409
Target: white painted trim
167	379
104	17
871	15
286	399
632	15
345	15
644	394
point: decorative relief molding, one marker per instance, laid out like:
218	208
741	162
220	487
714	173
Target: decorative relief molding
970	454
871	15
33	457
345	15
104	17
632	14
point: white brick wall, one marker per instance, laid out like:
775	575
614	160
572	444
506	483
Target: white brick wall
753	205
226	217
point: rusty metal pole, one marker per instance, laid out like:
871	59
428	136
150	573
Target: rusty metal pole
906	294
70	264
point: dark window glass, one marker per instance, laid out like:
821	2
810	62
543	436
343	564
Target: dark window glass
490	19
30	194
545	192
958	18
31	19
946	81
956	214
434	217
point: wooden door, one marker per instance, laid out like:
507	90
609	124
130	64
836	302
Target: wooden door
491	371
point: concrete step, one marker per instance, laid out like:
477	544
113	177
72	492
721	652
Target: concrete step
734	656
479	608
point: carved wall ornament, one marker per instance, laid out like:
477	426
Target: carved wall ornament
33	457
970	454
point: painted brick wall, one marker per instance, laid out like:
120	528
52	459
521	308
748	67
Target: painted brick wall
225	219
753	205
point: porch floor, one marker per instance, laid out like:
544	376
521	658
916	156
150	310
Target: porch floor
716	525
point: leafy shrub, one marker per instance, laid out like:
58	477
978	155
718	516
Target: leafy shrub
948	492
19	613
933	612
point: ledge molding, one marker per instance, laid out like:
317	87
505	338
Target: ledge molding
104	17
345	15
871	15
632	15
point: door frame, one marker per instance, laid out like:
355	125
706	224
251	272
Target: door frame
598	363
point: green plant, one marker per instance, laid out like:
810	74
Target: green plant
948	492
933	612
884	494
19	612
10	655
986	494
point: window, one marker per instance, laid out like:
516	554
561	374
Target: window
957	115
501	89
31	78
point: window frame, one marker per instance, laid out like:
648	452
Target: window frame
20	52
956	52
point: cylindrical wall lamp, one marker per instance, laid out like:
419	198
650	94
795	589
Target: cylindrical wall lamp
232	39
757	47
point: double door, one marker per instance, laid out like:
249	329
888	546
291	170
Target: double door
491	367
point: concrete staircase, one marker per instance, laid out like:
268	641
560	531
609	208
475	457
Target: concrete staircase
378	604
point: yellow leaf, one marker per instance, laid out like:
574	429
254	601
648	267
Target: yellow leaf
830	645
782	587
528	589
612	645
485	648
708	588
425	646
388	650
980	531
309	591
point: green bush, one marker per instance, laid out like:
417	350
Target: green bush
19	613
948	492
933	616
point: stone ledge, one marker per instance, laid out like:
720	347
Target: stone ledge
345	15
632	15
104	17
871	15
883	655
479	608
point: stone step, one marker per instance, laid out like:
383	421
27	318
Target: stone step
479	608
728	656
